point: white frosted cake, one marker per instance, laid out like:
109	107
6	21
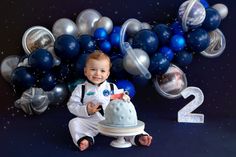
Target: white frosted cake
119	113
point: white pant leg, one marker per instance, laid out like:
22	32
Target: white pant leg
131	138
80	127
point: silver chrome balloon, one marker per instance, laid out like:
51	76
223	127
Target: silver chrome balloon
8	65
58	94
145	25
133	27
33	100
192	13
172	83
106	23
37	37
64	26
222	10
217	44
85	21
131	65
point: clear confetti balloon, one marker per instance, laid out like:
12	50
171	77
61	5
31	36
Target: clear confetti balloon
217	44
192	13
37	37
8	65
33	100
85	21
106	23
64	26
171	83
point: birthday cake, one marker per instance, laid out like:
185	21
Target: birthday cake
120	113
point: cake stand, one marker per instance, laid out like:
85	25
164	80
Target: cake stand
120	133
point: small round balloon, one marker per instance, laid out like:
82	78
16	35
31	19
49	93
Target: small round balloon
87	43
66	47
8	65
22	78
106	23
146	40
212	20
198	40
86	21
58	94
64	26
41	60
127	86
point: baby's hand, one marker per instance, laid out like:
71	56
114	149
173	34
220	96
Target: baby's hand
126	97
92	108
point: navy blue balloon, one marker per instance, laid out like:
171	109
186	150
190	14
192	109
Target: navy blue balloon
100	34
176	28
177	42
212	20
22	78
87	43
41	60
105	46
80	64
146	40
48	82
159	64
183	58
117	69
198	40
115	39
66	47
204	3
163	32
167	52
127	86
116	29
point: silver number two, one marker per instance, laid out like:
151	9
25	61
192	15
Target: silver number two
185	114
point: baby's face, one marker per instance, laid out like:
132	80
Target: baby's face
97	71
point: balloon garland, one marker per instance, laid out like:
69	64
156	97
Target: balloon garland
54	61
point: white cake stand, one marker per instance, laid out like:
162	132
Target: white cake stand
120	133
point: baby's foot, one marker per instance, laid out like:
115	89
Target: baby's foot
84	143
145	140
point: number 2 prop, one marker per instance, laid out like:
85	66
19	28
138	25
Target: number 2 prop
185	114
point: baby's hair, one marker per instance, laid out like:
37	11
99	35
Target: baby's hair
99	55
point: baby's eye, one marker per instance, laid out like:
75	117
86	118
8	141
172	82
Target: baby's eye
93	69
103	71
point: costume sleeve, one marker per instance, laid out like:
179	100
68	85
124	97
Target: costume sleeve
75	105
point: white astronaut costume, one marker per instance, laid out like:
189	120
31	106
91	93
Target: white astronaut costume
84	124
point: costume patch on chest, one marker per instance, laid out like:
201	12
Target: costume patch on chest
106	92
90	93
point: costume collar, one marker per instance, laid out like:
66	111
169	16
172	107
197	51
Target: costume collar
93	83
